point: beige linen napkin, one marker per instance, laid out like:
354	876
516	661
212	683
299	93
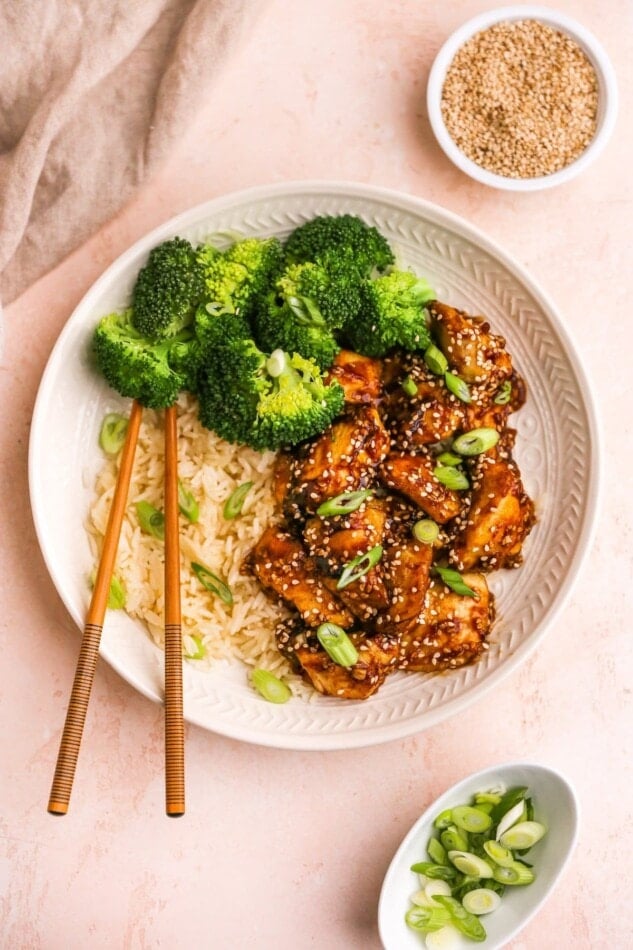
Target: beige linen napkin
93	94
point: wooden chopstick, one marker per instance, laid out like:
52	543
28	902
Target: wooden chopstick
174	728
84	674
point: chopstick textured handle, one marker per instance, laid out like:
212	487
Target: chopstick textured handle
89	652
174	727
75	719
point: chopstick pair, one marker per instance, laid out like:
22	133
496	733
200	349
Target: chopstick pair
84	675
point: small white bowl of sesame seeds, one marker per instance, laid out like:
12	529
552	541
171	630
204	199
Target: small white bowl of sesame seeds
522	98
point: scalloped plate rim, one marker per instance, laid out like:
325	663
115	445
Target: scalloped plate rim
443	218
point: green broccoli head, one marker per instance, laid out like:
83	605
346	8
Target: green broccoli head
235	278
153	373
264	402
294	327
328	235
323	294
392	314
232	380
167	290
299	403
214	329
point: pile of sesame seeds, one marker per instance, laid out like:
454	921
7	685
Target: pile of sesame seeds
520	99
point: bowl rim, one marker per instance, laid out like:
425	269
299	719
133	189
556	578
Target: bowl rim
608	97
454	789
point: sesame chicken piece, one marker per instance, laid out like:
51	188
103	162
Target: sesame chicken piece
282	566
407	566
376	659
432	414
500	516
341	538
282	477
484	413
341	460
452	629
360	377
487	416
365	597
412	475
474	353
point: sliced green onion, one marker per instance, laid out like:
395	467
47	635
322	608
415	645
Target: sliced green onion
453	579
276	363
435	360
113	432
516	875
476	441
426	531
449	458
117	594
514	814
151	520
436	852
481	901
200	651
270	686
187	503
337	644
427	919
344	504
470	864
465	922
471	819
420	898
359	566
212	582
448	938
486	807
235	502
453	839
431	888
504	395
457	387
452	478
440	871
489	798
305	310
444	819
500	855
508	799
409	386
522	836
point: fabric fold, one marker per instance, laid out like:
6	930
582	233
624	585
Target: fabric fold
93	97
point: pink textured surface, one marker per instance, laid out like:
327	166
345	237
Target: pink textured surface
289	849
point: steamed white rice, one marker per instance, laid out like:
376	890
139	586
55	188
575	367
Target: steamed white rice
211	469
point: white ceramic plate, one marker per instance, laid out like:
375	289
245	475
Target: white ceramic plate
557	450
555	806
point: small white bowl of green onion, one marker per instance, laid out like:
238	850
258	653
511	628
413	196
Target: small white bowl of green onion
480	861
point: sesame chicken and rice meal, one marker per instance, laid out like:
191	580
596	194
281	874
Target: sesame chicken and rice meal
346	466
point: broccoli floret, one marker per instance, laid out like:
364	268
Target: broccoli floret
236	278
153	373
214	329
321	295
265	402
392	314
299	404
167	290
278	324
325	235
308	302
